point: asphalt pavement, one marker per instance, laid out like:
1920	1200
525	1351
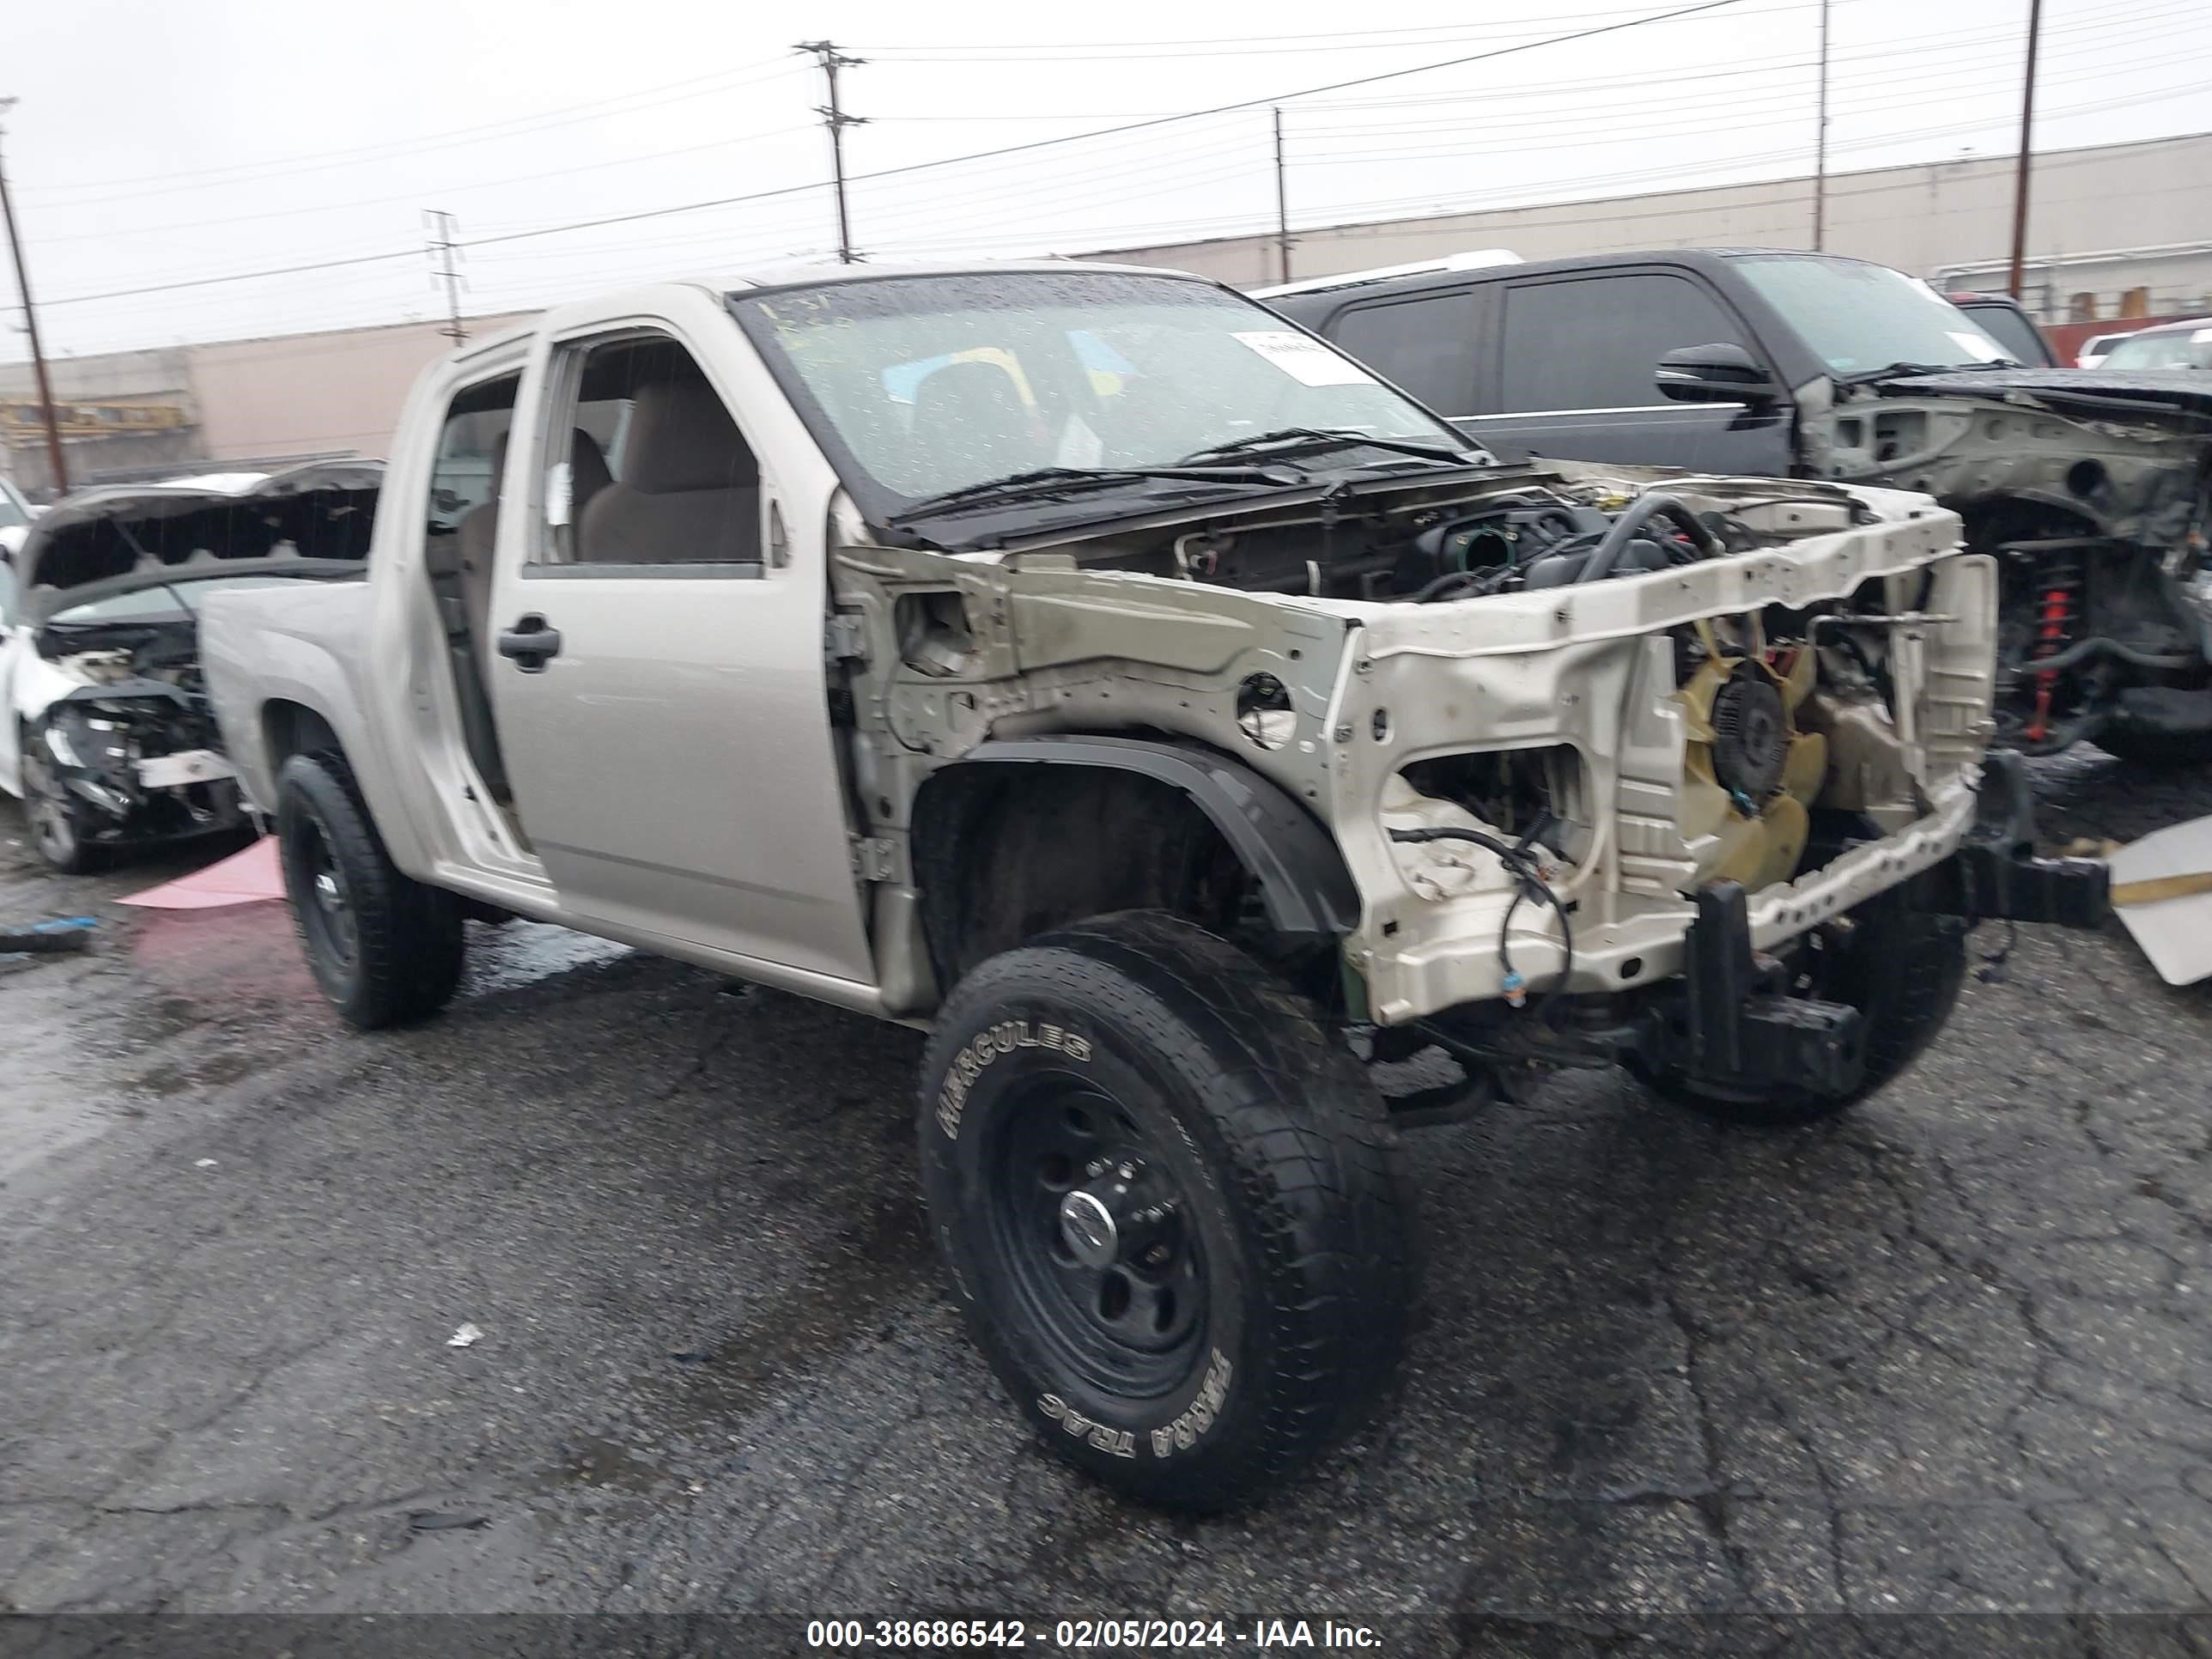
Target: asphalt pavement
1949	1354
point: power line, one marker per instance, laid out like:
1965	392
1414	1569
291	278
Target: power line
911	167
234	276
515	126
1350	39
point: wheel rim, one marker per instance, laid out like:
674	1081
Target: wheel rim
325	901
1097	1241
52	831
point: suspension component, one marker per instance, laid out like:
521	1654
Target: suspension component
2057	610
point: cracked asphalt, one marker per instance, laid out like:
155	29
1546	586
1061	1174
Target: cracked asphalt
1951	1354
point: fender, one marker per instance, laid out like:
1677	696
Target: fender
1303	881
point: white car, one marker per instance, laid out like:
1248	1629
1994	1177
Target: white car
16	516
108	737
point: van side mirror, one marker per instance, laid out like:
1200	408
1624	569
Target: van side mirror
1717	373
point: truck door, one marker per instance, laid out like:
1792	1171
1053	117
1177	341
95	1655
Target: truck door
658	677
1572	371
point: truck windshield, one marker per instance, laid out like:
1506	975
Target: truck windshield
1861	318
917	385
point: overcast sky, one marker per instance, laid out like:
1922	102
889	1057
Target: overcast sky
157	143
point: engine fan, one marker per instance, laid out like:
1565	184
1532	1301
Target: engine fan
1749	774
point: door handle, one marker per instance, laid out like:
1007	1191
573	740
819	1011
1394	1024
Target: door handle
530	643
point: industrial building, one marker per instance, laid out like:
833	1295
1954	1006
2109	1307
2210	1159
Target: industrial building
2116	231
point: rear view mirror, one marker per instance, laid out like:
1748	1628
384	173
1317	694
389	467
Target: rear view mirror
1715	373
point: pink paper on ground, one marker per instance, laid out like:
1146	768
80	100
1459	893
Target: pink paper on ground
247	878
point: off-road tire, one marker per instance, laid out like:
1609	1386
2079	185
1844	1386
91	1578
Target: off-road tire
1902	971
405	960
1286	1173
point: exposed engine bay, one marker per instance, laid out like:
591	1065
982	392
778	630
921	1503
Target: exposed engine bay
2096	492
115	742
135	742
1537	709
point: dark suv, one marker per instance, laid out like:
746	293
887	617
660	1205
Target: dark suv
2094	489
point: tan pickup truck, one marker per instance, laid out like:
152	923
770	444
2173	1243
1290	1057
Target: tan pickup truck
1176	720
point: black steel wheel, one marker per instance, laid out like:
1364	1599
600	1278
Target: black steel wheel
384	948
1173	1208
1091	1226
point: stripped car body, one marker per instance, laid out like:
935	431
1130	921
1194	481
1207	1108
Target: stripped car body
2094	488
109	739
2093	491
1583	674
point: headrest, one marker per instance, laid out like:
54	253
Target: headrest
588	467
681	438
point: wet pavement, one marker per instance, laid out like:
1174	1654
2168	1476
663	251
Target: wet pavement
1951	1353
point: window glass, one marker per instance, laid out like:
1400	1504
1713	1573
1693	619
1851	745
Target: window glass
2013	331
1426	345
466	476
12	515
2191	349
1861	318
657	471
1594	341
7	592
920	385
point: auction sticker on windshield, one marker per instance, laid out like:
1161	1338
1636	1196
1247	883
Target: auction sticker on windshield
1304	359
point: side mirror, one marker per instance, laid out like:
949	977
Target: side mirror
1715	373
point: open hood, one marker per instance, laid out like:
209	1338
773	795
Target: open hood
2083	392
311	520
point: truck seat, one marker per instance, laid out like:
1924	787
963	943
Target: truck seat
478	528
689	491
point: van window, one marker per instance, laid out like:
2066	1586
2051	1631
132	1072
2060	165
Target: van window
1426	344
1594	341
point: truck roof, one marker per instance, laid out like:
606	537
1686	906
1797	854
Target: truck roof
803	273
1323	292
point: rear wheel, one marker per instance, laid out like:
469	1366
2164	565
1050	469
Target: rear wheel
1899	966
384	947
1173	1209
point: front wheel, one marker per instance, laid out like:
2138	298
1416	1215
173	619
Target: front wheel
1900	966
56	822
1173	1211
385	948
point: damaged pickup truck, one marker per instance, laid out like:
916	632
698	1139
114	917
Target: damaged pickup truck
1179	724
108	738
2091	490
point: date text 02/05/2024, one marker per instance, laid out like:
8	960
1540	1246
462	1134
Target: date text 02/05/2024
1081	1635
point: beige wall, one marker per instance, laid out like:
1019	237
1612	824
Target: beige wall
1918	219
303	394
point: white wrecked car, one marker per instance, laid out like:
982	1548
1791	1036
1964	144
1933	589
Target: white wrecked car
108	737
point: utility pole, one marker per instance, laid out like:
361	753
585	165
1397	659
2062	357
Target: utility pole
1282	204
1820	146
54	456
2027	125
834	117
445	257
